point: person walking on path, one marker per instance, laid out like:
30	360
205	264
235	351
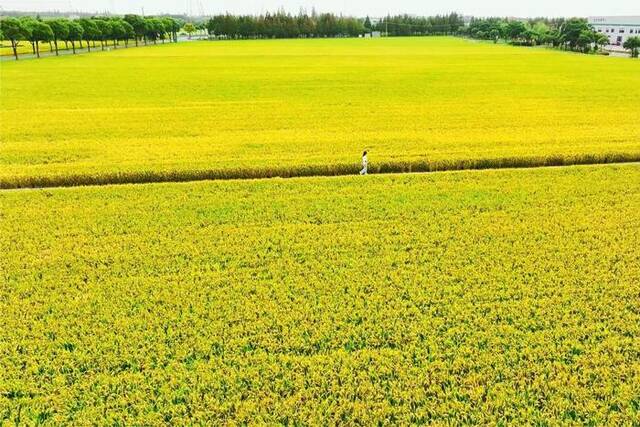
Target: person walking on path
365	164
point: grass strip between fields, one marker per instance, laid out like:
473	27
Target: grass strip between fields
339	169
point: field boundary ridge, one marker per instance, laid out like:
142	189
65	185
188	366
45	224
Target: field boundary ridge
339	169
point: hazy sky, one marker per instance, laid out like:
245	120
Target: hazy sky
349	7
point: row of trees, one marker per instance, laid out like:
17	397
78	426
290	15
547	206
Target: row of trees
89	30
407	25
284	25
573	34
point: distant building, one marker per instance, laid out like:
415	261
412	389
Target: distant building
376	34
617	28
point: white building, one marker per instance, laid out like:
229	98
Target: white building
617	28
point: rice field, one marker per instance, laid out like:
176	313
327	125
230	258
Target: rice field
502	297
485	297
309	107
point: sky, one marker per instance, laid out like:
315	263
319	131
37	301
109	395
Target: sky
374	8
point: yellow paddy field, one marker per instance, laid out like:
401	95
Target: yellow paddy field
476	297
305	107
504	297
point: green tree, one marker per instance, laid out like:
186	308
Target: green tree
584	41
494	34
167	23
172	26
139	26
503	27
367	24
129	32
14	31
306	25
189	28
104	27
60	28
633	44
90	32
155	29
530	37
40	32
75	34
572	31
516	30
600	40
554	38
117	32
540	32
28	23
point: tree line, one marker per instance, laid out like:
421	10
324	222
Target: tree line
89	30
285	25
408	25
574	34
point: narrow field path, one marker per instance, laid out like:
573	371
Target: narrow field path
145	177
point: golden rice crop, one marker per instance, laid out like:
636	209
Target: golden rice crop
295	107
488	297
